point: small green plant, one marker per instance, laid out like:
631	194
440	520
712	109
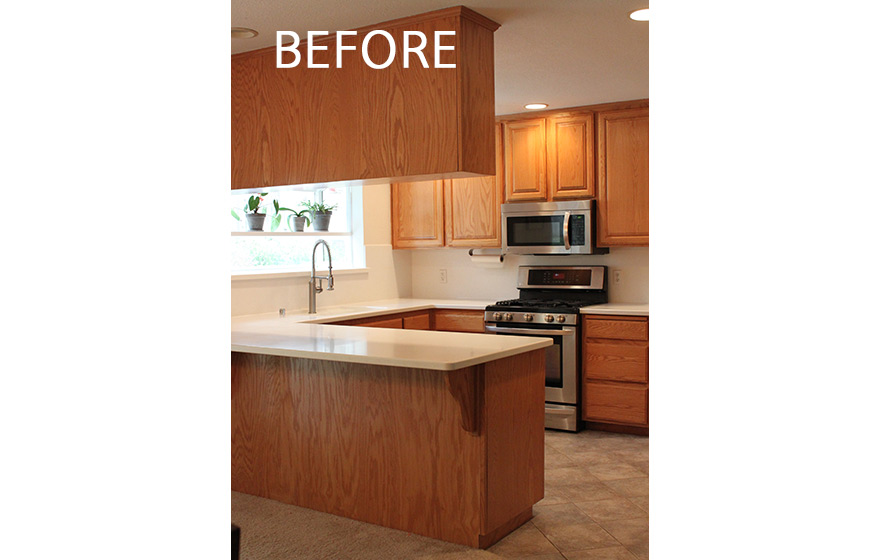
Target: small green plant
297	214
317	207
252	206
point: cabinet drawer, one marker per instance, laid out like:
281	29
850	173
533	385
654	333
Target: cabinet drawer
391	323
616	361
626	404
617	328
458	320
418	322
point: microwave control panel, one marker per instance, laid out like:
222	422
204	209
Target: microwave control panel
577	229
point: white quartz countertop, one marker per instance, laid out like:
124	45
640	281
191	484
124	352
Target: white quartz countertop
634	309
301	335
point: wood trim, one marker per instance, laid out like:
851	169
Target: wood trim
572	111
455	11
617	428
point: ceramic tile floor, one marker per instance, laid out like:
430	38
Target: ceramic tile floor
595	504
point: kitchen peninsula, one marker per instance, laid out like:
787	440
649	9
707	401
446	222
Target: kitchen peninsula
435	433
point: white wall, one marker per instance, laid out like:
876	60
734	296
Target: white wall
416	272
388	275
466	280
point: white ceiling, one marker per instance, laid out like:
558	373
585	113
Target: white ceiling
561	52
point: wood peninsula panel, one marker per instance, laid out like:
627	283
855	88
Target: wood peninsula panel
314	125
514	414
417	214
459	320
570	157
456	456
623	177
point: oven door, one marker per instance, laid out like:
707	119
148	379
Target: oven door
560	372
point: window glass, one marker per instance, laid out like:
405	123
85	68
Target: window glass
283	250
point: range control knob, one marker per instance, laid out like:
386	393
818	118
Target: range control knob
548	318
508	316
527	316
560	318
496	316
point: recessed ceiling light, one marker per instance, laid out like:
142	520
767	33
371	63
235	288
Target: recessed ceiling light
640	15
536	106
243	33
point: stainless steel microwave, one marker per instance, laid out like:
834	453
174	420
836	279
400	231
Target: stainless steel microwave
549	228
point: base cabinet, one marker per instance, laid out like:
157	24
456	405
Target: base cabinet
615	370
455	320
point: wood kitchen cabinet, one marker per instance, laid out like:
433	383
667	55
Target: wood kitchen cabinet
450	213
306	125
622	177
549	157
417	214
615	372
455	320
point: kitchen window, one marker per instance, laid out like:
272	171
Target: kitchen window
285	251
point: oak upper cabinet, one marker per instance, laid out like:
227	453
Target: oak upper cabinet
622	189
417	214
549	158
473	207
570	157
525	160
452	213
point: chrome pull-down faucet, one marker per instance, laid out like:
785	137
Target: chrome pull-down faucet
315	285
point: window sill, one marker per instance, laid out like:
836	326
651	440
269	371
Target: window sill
275	274
290	233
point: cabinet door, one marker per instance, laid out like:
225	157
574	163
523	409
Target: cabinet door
417	214
570	156
620	403
525	160
459	320
623	177
421	322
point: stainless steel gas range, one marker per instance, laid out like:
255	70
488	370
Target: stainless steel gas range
549	306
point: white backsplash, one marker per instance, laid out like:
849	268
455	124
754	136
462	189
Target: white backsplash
468	280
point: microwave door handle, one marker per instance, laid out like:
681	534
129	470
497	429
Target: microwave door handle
565	230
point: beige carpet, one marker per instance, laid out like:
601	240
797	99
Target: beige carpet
271	530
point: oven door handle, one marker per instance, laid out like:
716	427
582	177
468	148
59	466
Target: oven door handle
565	230
564	331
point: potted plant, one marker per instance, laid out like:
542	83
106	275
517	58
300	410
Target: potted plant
320	213
300	220
252	213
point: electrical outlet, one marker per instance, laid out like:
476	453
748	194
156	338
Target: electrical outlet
616	275
442	275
